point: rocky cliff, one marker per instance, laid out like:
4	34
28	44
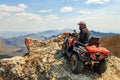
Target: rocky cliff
44	63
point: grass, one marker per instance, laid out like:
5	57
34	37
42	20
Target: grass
112	43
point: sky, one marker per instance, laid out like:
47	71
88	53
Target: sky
41	15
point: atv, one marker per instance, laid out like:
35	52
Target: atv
79	55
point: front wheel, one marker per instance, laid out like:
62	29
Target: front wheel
76	64
101	67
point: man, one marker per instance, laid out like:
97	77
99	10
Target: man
84	33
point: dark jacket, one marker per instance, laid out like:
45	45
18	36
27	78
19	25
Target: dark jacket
84	35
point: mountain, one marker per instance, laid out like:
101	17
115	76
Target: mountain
7	51
18	41
4	48
11	34
101	34
43	63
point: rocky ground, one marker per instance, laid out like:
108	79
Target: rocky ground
45	63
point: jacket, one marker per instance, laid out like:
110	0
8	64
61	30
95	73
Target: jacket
84	35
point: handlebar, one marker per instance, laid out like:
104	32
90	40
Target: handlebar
81	44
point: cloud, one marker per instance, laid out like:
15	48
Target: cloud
66	9
7	8
19	18
84	12
23	21
25	17
45	11
3	14
52	16
96	1
22	6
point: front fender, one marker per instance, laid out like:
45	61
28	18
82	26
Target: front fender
79	53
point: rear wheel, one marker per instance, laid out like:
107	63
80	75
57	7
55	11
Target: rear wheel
64	47
76	64
101	67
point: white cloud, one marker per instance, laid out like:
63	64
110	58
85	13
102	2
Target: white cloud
25	17
96	1
84	12
7	8
45	11
66	9
22	6
28	22
34	17
52	16
3	14
21	22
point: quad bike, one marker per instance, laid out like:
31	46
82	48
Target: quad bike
79	55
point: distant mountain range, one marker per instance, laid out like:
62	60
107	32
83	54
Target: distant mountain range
18	40
101	34
8	50
12	34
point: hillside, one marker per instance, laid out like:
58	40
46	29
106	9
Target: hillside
4	48
112	43
8	50
43	63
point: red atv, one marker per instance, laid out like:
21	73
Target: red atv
81	55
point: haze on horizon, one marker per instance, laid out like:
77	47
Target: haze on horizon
41	15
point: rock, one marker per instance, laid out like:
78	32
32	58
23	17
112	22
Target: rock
45	62
34	77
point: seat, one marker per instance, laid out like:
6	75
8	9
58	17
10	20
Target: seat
94	41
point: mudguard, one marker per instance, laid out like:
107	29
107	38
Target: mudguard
79	53
94	49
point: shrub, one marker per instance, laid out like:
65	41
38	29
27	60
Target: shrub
112	43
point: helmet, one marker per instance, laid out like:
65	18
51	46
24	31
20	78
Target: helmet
81	23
